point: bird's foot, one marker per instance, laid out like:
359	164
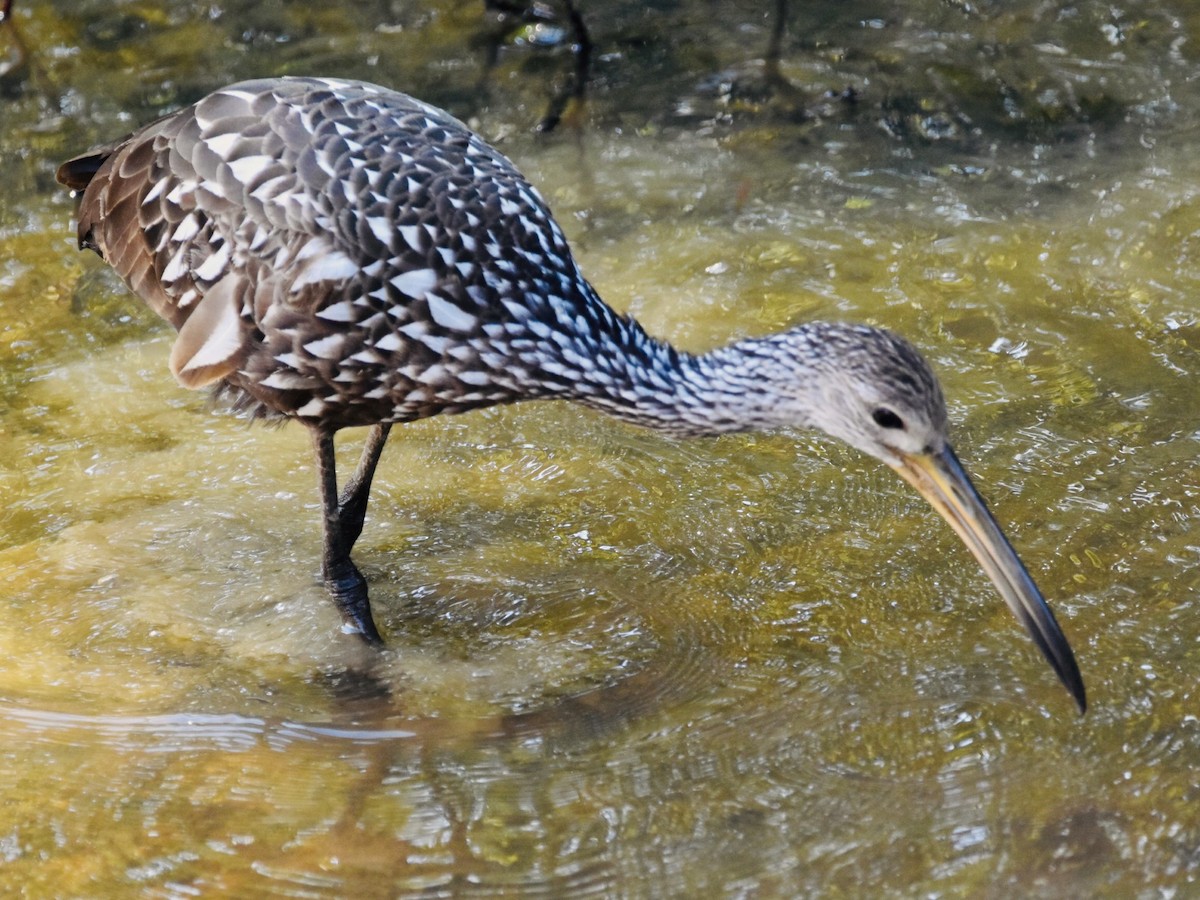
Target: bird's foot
348	590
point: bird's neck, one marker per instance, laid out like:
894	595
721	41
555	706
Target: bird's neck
634	377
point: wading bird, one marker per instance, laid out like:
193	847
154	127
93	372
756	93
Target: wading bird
341	254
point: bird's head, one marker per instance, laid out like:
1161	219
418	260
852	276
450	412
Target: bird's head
875	391
869	388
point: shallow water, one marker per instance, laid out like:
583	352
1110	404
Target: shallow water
752	666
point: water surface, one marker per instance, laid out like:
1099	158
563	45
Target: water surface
751	666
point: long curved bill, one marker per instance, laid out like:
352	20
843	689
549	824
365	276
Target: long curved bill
941	479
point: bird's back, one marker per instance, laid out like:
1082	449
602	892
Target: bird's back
340	252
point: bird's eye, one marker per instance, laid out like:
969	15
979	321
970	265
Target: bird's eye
885	418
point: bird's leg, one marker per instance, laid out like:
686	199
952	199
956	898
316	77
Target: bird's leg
344	582
352	505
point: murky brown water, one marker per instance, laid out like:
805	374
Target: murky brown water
755	666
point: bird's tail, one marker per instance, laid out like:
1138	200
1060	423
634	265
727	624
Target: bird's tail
78	173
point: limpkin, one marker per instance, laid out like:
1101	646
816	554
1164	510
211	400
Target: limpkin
345	255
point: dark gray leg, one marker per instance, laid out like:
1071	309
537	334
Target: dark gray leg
353	502
344	582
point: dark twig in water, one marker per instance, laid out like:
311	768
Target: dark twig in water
508	18
775	44
576	92
13	69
